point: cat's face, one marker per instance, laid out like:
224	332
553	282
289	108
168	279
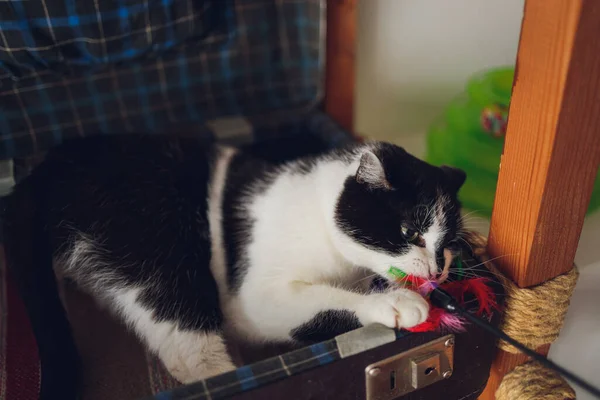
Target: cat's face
399	211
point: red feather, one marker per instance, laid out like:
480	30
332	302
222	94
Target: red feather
438	317
432	323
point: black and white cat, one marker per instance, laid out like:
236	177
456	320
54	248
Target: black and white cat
185	241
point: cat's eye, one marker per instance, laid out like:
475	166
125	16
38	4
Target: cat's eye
409	234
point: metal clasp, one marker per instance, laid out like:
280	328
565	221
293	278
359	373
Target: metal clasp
411	370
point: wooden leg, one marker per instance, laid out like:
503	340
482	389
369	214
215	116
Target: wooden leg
552	149
340	70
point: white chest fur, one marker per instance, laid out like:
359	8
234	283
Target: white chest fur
291	243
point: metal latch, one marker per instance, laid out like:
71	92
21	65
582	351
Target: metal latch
414	369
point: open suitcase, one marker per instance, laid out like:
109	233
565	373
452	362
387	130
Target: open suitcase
243	72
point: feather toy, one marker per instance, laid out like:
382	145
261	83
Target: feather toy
461	289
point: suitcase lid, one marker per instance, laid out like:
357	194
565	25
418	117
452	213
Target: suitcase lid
68	69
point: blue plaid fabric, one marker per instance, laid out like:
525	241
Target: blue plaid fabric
276	139
273	369
74	68
258	374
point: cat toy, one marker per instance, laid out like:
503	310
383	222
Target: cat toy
460	289
448	301
444	300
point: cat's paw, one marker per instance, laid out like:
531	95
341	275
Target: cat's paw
400	308
190	357
195	367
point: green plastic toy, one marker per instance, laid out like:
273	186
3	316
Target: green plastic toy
470	135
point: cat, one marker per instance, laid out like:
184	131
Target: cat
186	242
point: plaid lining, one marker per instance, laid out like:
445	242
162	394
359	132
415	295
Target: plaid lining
265	372
71	68
258	374
314	125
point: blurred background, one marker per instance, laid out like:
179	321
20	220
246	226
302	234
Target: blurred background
415	56
415	59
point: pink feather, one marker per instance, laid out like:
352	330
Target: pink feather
439	318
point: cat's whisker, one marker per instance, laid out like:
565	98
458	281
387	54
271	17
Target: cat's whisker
492	259
466	242
470	213
363	279
479	274
474	218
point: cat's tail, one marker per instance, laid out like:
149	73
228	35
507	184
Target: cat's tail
29	259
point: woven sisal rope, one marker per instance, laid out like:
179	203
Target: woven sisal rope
533	316
531	381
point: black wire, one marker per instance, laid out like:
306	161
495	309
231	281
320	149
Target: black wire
443	299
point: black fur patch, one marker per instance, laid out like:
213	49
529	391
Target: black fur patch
374	217
142	201
326	325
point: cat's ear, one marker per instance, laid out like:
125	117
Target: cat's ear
371	172
454	176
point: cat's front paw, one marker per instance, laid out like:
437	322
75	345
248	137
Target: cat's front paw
400	308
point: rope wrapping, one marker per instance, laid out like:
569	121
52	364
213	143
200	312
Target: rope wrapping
532	381
533	316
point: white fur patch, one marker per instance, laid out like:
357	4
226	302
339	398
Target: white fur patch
189	356
85	264
434	235
218	262
301	262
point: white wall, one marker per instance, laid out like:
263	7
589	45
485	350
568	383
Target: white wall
415	55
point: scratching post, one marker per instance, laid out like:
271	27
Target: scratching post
532	381
534	316
551	156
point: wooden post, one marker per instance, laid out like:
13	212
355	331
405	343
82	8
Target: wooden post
340	69
552	149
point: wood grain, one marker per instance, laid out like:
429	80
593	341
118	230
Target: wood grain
552	148
340	68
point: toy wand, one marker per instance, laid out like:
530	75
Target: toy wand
442	299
